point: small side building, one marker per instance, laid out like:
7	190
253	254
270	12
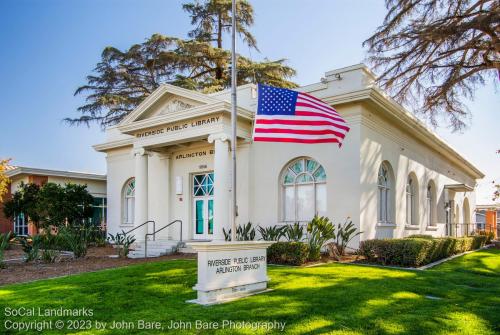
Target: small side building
96	185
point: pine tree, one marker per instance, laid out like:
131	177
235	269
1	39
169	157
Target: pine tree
122	79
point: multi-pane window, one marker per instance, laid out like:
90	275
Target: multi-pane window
410	201
99	211
203	184
384	196
21	225
129	202
304	190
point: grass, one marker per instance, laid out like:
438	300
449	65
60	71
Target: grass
461	296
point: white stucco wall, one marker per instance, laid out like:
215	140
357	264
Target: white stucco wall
95	187
377	134
382	141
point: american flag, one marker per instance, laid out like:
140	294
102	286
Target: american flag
288	116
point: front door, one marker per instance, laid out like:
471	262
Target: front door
203	206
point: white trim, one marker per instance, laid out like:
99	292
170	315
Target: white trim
158	93
54	173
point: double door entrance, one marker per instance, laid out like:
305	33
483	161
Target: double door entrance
203	206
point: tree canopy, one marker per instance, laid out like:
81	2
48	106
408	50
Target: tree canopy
51	204
122	79
433	54
4	180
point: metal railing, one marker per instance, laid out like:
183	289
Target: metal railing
142	224
157	231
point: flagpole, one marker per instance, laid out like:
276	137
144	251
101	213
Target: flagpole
233	120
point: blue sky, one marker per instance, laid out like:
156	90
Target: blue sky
48	47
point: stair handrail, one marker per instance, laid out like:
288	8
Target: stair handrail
154	235
142	224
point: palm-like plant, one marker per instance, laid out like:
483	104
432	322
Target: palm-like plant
320	230
346	232
243	233
294	232
4	244
272	233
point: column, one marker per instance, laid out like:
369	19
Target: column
164	186
221	184
141	192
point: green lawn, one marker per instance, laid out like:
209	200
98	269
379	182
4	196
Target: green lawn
333	298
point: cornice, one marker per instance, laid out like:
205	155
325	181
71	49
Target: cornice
416	128
53	173
113	144
198	111
159	92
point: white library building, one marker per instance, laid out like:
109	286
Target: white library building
169	163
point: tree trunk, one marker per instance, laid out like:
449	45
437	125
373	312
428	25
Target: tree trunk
218	68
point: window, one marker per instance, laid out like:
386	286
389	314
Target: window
411	202
203	184
303	190
384	194
129	201
21	225
99	211
430	203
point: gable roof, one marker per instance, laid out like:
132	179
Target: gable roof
160	92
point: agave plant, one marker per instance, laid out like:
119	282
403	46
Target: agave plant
4	244
294	232
123	242
320	230
243	233
346	232
272	233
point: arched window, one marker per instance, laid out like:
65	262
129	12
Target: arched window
411	201
431	205
129	201
384	194
304	190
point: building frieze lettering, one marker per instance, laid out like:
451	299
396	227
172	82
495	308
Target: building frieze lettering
178	127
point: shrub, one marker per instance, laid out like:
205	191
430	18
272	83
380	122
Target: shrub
416	251
289	253
272	233
489	235
479	241
345	233
4	244
122	242
243	233
421	236
49	255
76	238
294	232
320	230
31	246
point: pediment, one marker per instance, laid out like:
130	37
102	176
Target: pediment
167	100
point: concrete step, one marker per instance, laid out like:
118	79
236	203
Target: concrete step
155	248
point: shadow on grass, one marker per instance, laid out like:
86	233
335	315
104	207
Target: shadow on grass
456	297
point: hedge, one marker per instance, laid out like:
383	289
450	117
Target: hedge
417	251
289	253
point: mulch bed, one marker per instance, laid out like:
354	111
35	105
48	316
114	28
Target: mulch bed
97	258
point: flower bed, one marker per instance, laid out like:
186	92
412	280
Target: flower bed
417	251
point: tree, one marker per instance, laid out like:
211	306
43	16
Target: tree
51	204
433	54
24	201
122	79
4	180
212	19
